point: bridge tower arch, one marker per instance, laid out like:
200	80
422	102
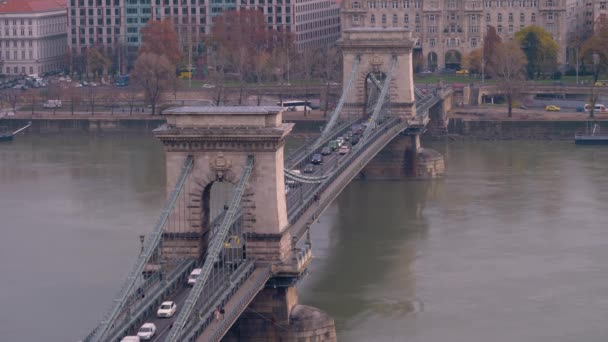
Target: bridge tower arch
372	50
220	139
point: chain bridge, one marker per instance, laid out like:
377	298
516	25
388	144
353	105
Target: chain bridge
253	251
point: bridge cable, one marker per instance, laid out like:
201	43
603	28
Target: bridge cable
150	246
336	113
304	179
381	101
216	247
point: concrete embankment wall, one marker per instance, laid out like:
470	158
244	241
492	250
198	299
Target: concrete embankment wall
82	125
523	129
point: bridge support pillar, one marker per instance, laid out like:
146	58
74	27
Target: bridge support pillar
274	315
404	157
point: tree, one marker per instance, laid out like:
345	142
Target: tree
98	63
508	63
540	50
13	97
153	73
472	61
159	37
490	42
597	45
91	96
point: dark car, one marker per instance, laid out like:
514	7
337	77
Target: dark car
354	140
309	168
317	158
325	150
357	128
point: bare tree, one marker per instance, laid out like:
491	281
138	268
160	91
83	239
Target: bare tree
132	98
92	96
153	73
13	98
507	65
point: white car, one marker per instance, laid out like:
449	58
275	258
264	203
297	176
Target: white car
146	331
340	141
193	275
130	339
167	309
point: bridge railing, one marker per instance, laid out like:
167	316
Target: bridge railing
148	268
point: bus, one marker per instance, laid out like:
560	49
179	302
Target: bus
186	73
295	105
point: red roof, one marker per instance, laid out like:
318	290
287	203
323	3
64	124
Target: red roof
30	6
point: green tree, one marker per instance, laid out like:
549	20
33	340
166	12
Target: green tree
540	50
98	63
490	41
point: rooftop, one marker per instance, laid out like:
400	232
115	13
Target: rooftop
30	6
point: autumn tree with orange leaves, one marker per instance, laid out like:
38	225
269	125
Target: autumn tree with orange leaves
159	37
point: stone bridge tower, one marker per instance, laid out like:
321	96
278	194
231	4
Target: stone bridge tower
220	139
375	48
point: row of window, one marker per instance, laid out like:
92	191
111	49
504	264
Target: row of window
418	3
317	15
317	24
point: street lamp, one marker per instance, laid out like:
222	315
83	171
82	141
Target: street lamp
483	61
141	239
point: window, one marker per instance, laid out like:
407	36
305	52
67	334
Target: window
533	17
384	19
356	4
395	20
432	42
488	18
603	5
372	19
549	16
522	3
406	19
533	3
372	4
473	42
522	17
510	17
382	4
499	19
510	28
356	19
395	4
406	3
499	29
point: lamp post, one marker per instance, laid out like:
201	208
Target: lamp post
141	239
483	61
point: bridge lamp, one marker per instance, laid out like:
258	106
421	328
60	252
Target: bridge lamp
141	239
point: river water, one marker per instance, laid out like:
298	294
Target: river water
510	246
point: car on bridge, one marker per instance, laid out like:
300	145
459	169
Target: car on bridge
130	339
344	149
309	168
326	151
317	158
552	108
333	145
193	275
147	331
167	309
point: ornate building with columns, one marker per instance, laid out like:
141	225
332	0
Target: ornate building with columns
446	30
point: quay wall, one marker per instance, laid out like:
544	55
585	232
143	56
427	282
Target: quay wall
517	129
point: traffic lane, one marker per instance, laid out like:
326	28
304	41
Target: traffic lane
163	324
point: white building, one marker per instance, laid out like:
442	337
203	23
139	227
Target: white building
33	36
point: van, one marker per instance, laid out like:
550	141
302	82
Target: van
130	339
598	108
52	104
193	275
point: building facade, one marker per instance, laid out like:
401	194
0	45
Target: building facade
33	37
116	24
445	31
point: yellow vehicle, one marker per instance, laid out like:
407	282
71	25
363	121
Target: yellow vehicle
186	73
601	83
552	108
462	72
234	241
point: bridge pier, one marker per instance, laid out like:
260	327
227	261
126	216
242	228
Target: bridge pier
275	315
404	157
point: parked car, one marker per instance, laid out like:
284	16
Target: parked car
598	108
344	149
552	108
325	150
462	72
309	168
166	309
193	275
426	72
317	158
147	331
